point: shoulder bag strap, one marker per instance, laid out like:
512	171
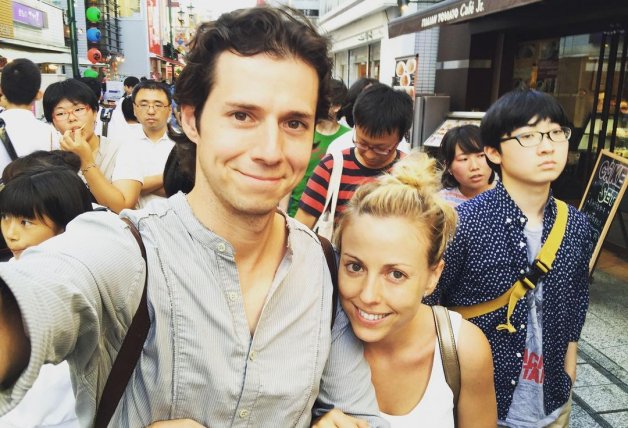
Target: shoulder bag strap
330	256
129	353
6	141
334	184
448	351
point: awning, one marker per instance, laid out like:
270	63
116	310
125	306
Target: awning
41	57
450	12
168	60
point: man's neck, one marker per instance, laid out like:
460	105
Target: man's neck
327	127
154	136
11	106
531	199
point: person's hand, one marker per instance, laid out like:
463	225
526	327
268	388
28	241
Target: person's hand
336	419
178	423
73	141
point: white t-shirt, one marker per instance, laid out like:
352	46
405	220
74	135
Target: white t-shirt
27	134
152	157
436	408
49	403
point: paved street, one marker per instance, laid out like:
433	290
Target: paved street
601	391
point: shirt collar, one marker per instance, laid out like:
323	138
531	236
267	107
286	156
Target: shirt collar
512	210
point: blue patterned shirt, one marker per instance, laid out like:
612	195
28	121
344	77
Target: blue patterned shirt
485	258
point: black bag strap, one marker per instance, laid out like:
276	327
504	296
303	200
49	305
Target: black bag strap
129	353
105	118
448	352
6	141
330	256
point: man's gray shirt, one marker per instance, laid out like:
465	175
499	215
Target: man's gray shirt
78	292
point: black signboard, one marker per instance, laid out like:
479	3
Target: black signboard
603	195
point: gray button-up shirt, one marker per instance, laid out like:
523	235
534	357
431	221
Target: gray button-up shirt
77	293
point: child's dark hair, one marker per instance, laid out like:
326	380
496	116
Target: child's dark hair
41	160
337	94
72	90
352	94
468	138
57	193
515	110
20	81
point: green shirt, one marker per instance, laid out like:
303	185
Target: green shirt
321	142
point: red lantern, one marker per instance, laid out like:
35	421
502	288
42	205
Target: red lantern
94	55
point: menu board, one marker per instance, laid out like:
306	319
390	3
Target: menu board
604	193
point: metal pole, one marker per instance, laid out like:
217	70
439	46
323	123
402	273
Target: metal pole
171	49
73	41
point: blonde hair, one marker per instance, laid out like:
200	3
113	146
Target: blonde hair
410	190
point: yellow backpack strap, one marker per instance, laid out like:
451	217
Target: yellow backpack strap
541	265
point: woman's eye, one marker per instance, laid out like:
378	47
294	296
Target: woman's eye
241	116
354	267
397	275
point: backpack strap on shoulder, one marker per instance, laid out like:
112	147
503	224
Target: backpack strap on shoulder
448	351
330	256
129	352
6	141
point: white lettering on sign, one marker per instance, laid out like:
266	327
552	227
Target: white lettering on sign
467	9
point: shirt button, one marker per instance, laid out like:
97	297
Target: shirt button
252	355
513	382
522	219
518	354
523	326
522	271
221	247
233	296
244	413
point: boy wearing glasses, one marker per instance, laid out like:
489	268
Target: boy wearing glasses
496	247
382	117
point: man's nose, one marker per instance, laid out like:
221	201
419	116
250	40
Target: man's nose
269	147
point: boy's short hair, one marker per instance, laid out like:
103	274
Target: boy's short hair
352	94
152	85
94	85
72	90
337	92
127	110
515	110
280	33
381	110
20	82
131	81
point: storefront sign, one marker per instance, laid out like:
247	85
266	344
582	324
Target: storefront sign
28	16
152	21
604	193
449	12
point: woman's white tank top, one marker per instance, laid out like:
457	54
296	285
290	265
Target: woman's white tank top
435	410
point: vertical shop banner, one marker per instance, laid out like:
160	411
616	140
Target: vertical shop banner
152	19
6	19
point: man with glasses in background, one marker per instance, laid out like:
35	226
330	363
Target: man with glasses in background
517	266
151	104
382	117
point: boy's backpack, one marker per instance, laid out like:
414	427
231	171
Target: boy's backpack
133	342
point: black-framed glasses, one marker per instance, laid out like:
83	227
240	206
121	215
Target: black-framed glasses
377	150
156	106
534	138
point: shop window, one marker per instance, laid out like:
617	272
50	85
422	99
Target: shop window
358	64
374	55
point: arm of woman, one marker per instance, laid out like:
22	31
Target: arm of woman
477	405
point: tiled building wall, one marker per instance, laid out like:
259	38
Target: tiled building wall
426	45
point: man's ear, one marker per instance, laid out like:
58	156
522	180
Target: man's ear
493	155
39	95
188	123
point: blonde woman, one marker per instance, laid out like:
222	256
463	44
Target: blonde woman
391	240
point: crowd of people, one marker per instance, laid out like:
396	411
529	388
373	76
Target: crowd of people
455	297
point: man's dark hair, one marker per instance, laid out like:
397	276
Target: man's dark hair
467	137
180	168
20	82
352	94
381	110
280	33
337	94
131	81
152	85
127	109
93	84
73	90
514	110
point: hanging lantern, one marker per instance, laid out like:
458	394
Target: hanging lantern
94	55
93	35
93	14
90	73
